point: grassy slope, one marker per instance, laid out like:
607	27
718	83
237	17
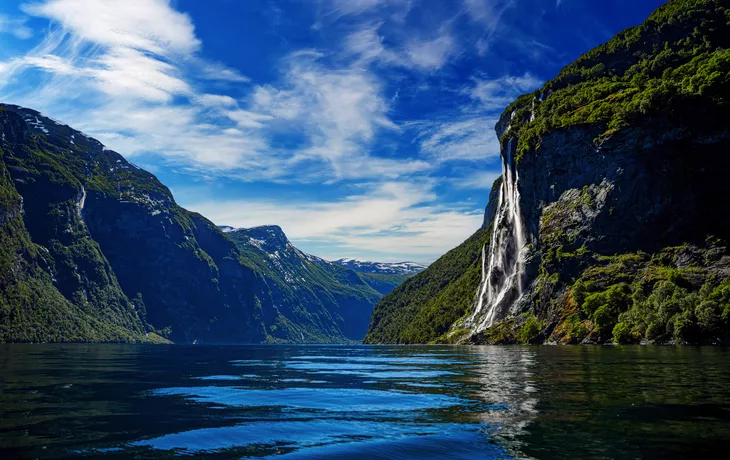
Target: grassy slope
424	307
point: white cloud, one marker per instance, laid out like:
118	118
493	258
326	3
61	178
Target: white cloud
15	26
431	54
140	24
218	71
496	94
477	180
52	63
469	139
424	54
246	119
345	7
216	100
127	72
393	219
487	13
367	44
339	112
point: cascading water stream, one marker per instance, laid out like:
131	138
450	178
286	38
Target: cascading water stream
503	267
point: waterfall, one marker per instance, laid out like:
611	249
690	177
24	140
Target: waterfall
503	266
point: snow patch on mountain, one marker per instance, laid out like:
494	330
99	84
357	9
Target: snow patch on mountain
384	268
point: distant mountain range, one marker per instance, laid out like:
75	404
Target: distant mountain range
382	268
95	249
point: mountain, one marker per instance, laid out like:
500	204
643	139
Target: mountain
335	295
96	249
382	276
382	268
611	221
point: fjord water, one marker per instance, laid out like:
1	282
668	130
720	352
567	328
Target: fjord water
126	401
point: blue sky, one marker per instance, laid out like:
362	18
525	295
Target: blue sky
364	128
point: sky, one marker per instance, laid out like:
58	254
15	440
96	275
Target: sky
364	128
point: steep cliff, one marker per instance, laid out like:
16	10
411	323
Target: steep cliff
96	249
31	306
612	219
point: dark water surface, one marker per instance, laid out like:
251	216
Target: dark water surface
360	402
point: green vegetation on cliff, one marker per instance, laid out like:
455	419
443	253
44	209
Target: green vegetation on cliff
681	294
677	60
31	307
96	249
622	162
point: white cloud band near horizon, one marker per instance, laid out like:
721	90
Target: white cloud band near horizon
394	222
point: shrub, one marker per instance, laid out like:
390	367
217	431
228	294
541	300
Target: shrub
654	330
684	329
530	331
604	318
622	334
708	315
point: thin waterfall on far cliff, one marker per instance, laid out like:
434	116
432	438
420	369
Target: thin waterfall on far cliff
503	266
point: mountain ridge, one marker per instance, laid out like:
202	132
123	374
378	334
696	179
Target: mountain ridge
105	242
381	268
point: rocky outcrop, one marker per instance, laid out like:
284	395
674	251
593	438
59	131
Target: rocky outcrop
642	172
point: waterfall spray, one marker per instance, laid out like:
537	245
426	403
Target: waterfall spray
503	267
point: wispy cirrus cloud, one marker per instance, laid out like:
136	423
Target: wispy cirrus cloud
424	53
138	62
488	14
466	139
397	9
134	74
477	180
15	26
432	54
150	25
338	112
498	93
468	135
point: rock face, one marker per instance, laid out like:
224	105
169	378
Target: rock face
612	221
96	249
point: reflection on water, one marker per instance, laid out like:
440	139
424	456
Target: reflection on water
365	402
